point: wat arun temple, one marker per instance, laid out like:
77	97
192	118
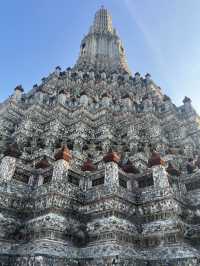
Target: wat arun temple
99	167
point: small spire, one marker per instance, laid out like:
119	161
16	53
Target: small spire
63	154
111	156
102	21
186	99
130	168
19	88
173	170
42	164
88	166
155	159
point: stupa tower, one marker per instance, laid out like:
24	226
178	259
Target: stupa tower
101	48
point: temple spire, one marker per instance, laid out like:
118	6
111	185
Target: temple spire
102	49
102	21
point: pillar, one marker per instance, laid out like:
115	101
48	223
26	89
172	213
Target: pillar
84	100
40	180
111	174
160	177
62	97
111	169
60	170
61	165
7	168
129	185
18	93
39	96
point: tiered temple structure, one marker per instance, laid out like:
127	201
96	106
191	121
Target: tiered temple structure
98	166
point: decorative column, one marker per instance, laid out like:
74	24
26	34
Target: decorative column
148	78
133	139
187	104
31	180
160	176
7	168
39	95
41	167
127	103
8	163
88	167
106	100
62	97
111	169
61	165
147	104
129	168
84	100
18	93
58	70
78	145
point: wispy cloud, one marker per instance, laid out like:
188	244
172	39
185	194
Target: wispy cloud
150	39
176	56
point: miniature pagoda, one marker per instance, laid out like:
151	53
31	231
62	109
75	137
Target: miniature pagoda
98	166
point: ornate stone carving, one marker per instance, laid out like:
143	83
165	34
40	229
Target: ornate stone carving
66	198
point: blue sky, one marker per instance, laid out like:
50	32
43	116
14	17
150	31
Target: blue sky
161	37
